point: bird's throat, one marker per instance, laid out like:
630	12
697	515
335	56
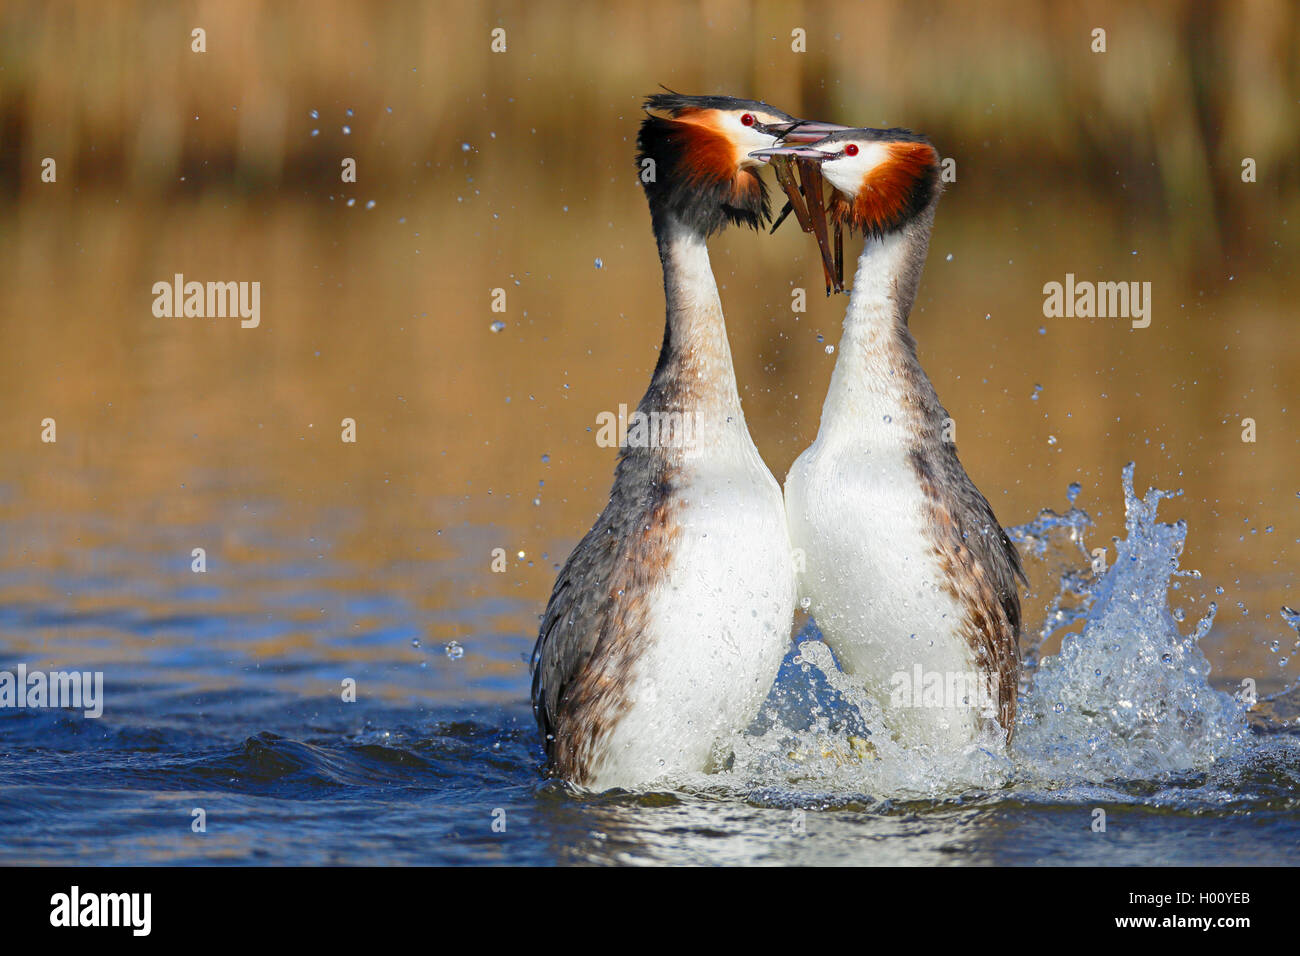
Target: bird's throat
876	370
695	372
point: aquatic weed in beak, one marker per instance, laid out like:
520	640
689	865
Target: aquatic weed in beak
805	197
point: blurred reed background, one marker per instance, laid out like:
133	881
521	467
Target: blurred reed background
515	170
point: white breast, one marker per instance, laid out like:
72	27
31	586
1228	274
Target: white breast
874	586
719	625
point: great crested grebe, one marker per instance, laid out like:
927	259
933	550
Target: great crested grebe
908	574
668	622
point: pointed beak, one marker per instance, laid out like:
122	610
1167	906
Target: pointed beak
808	131
794	152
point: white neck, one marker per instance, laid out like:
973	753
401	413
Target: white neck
868	382
699	356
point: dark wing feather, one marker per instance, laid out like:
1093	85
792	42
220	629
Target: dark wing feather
591	630
983	567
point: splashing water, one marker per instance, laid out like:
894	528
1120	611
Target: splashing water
1129	696
1126	698
825	731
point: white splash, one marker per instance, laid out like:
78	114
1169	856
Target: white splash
1129	696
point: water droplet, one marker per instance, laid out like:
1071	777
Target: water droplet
830	350
454	650
370	204
497	326
314	114
347	131
1072	492
600	264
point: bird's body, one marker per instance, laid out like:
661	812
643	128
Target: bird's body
668	623
908	574
678	602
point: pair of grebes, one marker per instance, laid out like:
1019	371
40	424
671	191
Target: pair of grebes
668	623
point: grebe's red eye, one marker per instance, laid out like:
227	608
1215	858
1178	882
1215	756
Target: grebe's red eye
747	119
851	149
